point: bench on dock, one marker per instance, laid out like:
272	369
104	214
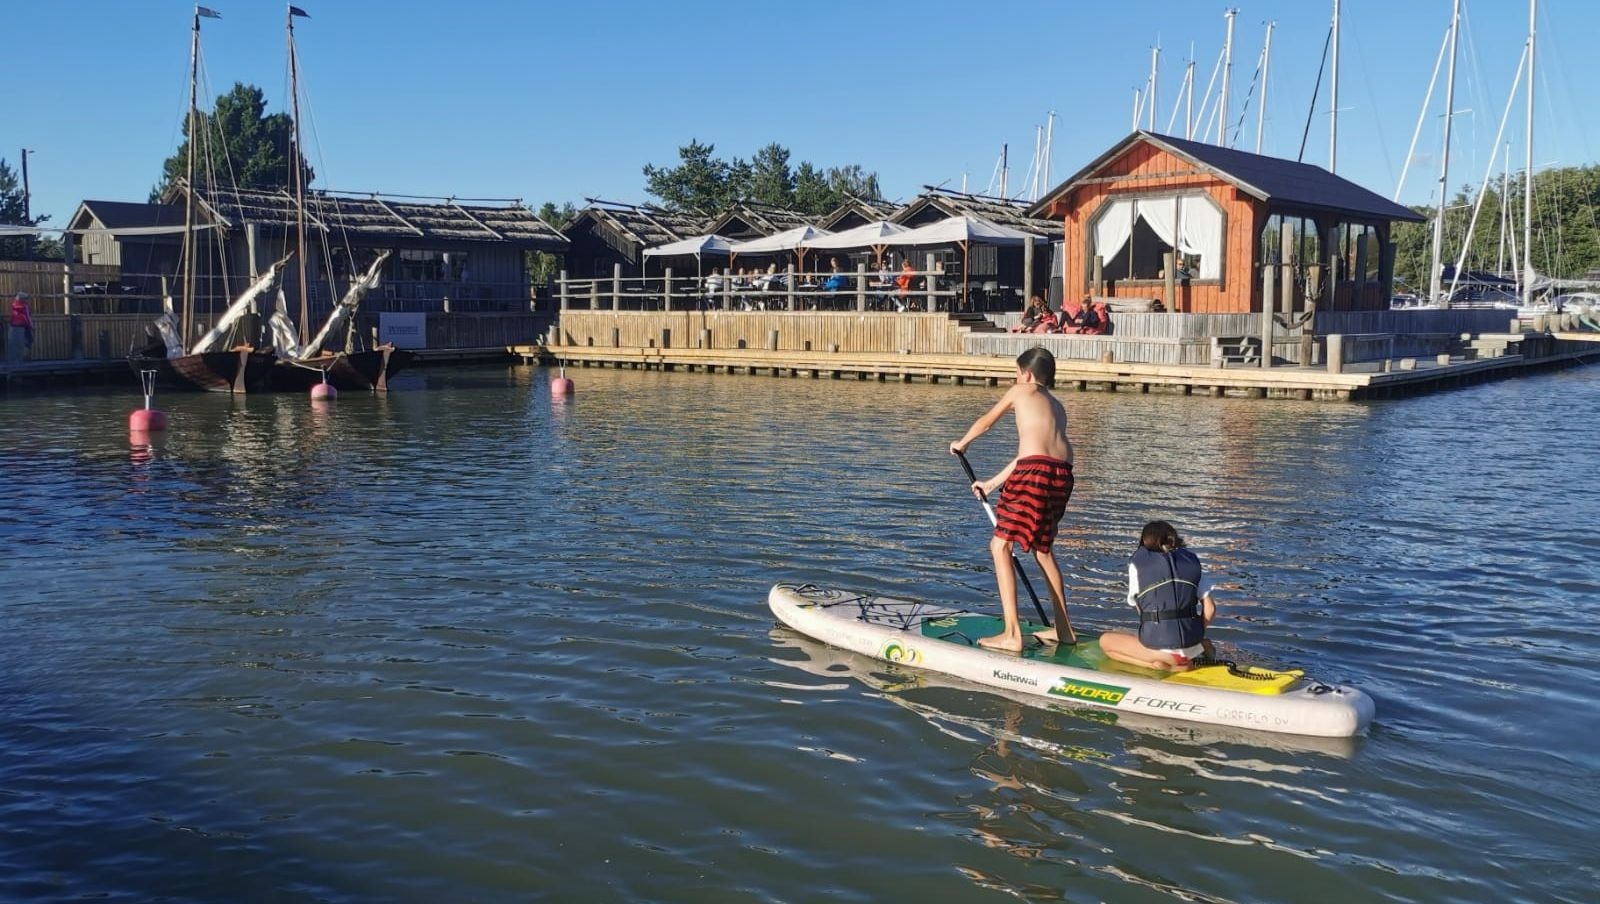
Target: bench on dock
1242	350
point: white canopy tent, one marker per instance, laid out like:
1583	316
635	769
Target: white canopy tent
787	240
963	230
867	235
795	240
696	245
864	236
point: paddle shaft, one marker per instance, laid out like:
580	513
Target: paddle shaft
993	519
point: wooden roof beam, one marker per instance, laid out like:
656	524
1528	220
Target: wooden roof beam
403	221
481	224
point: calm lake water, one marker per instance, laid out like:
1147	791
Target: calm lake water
463	643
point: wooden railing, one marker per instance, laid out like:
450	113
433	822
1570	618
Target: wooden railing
931	291
830	331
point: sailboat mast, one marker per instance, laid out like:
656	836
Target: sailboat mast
1266	63
1227	79
1444	164
1333	98
1155	63
1188	97
188	187
1527	188
299	179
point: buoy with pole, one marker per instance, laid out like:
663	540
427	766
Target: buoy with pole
324	391
147	419
561	387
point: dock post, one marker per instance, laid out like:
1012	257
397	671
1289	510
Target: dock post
789	271
66	273
1097	276
1335	353
861	286
1027	276
594	294
705	338
1269	288
561	287
1286	262
931	283
616	287
1330	287
1169	280
666	290
1360	274
727	288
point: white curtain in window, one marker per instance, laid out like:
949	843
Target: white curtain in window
1112	227
1161	214
1202	234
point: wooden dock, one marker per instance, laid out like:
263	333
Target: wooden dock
1362	381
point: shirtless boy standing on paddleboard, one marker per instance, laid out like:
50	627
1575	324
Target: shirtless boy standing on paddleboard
1034	489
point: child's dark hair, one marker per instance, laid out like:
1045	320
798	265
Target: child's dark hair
1159	536
1039	362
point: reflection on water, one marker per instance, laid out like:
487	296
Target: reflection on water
465	642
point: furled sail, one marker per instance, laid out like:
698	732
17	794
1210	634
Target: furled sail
284	340
260	287
347	305
167	326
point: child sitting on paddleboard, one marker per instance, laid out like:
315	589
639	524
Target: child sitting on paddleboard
1173	596
1034	489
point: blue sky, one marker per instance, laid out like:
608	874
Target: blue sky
559	101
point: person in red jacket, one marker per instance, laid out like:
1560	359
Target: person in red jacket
20	337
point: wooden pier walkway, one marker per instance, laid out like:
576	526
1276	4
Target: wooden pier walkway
1357	381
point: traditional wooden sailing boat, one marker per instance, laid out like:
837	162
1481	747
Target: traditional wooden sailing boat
207	364
303	363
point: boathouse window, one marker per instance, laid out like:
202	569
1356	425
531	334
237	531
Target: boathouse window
1133	236
417	264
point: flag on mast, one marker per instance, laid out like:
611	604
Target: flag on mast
297	11
207	13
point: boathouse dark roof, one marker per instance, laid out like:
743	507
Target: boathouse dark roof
758	219
1282	183
382	218
949	203
856	212
126	215
641	226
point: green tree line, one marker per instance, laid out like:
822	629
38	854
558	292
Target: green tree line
1566	230
704	183
707	183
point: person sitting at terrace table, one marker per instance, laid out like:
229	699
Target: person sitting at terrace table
1071	313
837	280
908	273
1030	316
770	281
714	284
1048	322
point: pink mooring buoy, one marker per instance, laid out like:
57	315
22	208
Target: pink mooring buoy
147	419
324	391
561	387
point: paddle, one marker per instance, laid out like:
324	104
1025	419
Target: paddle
973	478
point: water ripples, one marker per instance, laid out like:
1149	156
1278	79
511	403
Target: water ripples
463	642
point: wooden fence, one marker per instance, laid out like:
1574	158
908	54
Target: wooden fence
66	337
843	331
